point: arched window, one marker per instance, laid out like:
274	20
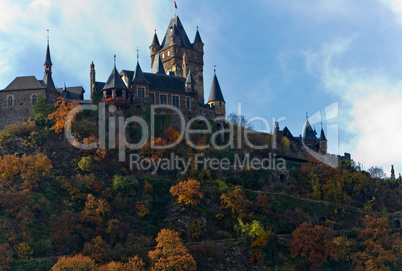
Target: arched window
10	101
34	100
51	101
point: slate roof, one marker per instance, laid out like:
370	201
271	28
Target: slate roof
309	133
190	78
197	38
155	40
99	86
24	83
157	67
48	80
114	81
166	82
139	76
73	93
322	136
216	92
48	61
184	41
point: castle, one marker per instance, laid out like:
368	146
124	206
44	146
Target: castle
176	79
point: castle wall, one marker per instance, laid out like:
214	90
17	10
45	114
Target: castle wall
21	109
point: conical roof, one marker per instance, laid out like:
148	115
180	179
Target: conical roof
216	92
48	61
309	133
139	76
190	78
155	41
114	81
157	67
48	80
322	136
197	38
179	31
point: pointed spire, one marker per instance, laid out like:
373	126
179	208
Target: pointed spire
139	76
197	38
322	136
155	40
184	41
48	61
64	88
158	66
216	92
114	81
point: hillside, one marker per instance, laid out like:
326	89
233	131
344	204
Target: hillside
85	208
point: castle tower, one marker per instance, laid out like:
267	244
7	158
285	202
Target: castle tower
139	84
322	143
92	81
47	78
216	97
171	51
392	172
309	136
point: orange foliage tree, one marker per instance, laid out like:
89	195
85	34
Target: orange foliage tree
379	248
60	115
170	253
237	202
77	262
188	192
134	264
315	243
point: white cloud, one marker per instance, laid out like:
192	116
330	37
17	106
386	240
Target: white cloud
371	105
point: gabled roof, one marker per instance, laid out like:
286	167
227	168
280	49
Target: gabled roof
322	136
114	81
139	76
184	41
25	83
190	78
48	61
286	132
73	93
157	67
155	41
99	86
197	38
216	92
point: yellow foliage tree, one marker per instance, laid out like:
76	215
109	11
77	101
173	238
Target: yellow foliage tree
78	262
188	192
170	253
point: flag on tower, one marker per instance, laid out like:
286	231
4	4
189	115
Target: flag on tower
175	5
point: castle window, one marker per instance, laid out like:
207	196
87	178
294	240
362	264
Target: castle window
168	53
163	55
34	100
51	101
175	100
163	99
220	104
10	101
175	50
188	102
152	97
141	92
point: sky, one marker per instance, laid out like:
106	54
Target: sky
340	60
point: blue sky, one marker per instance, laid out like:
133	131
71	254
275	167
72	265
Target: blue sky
278	58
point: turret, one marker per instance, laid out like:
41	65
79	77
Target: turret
216	97
190	83
139	84
322	143
115	91
157	67
184	65
155	47
92	81
198	44
47	78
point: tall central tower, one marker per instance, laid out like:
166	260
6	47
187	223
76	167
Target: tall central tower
179	55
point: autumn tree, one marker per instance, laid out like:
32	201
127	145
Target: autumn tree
78	262
263	205
97	249
315	243
378	247
237	202
60	115
170	253
187	192
134	264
